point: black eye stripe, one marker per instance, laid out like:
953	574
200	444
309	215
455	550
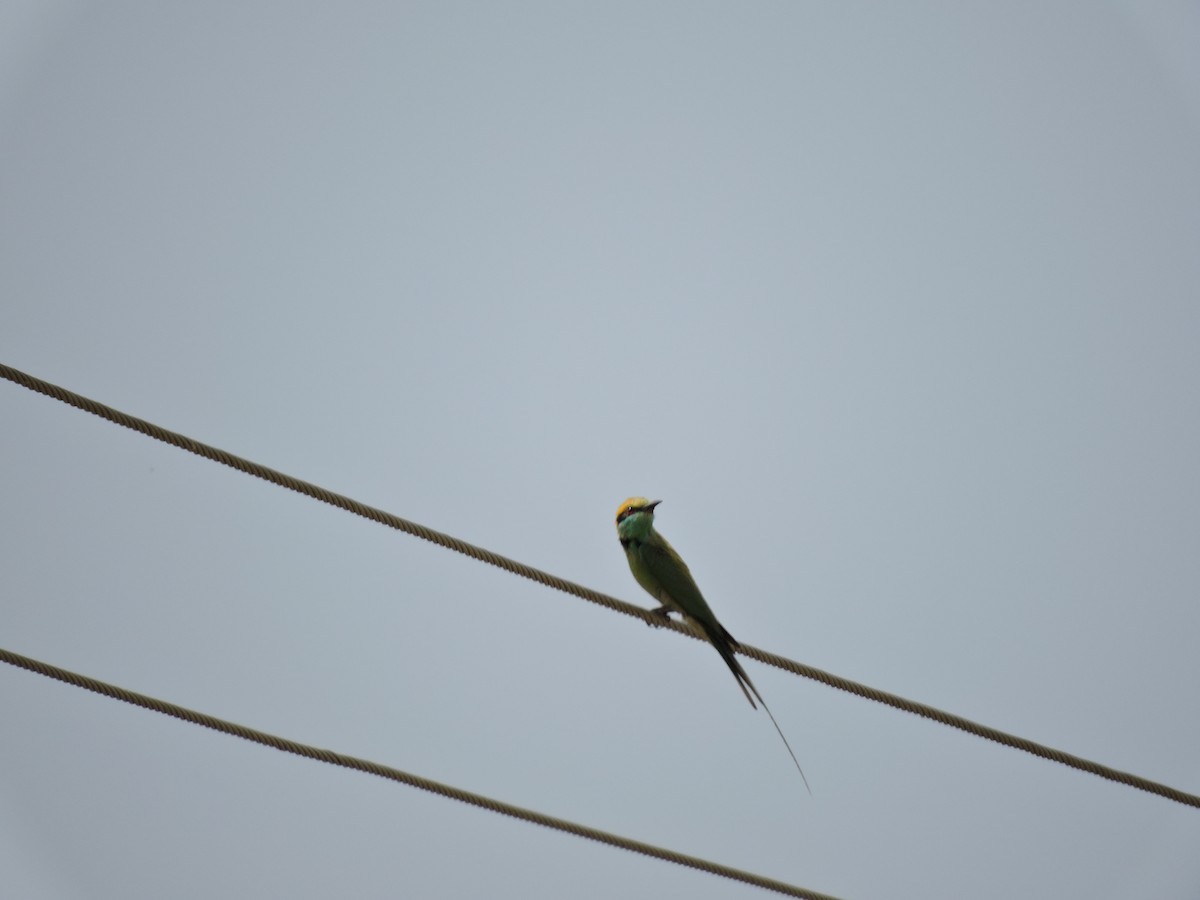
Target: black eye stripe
626	513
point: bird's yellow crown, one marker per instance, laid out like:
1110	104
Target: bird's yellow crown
633	504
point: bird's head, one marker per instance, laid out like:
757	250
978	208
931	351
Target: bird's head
635	517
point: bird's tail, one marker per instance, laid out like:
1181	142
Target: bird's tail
726	645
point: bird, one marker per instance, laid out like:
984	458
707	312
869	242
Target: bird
664	575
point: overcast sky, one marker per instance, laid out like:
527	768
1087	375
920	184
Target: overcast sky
895	306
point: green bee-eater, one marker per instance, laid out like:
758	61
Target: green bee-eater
665	576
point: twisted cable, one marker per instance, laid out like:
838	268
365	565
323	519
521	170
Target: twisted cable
569	587
391	774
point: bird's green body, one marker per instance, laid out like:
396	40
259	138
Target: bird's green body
664	575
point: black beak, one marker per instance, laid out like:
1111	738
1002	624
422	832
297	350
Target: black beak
649	507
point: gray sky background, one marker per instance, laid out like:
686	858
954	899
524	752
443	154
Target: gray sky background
894	305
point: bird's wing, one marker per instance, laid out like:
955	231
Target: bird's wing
660	560
669	569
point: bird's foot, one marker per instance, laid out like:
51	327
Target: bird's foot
663	613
